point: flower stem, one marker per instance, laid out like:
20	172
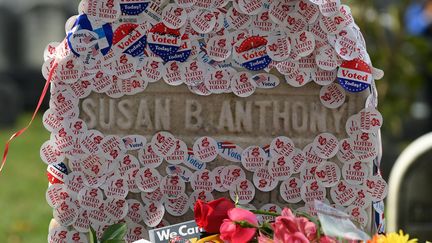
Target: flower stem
263	212
245	224
266	229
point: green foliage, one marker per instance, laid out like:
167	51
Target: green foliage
23	183
92	236
267	229
405	59
113	234
114	241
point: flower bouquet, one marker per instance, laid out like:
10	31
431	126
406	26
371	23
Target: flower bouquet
224	222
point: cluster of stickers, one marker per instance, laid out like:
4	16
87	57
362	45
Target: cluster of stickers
93	189
117	47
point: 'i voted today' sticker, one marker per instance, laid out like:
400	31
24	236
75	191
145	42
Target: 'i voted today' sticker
230	151
104	33
290	190
183	53
355	75
131	38
57	173
133	7
252	53
173	16
163	41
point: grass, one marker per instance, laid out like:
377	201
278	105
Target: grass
25	215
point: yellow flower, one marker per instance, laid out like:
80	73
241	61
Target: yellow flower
392	238
210	239
399	238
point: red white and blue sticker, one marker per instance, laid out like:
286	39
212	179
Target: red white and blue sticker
134	142
164	41
230	151
252	53
355	75
104	33
183	53
265	80
130	39
133	7
192	162
57	173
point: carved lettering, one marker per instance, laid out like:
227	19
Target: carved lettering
243	116
193	119
297	115
226	120
263	105
143	119
88	108
281	113
125	120
318	118
162	114
106	114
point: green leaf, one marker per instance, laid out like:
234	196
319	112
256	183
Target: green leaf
236	201
114	232
245	224
115	241
264	212
92	236
266	229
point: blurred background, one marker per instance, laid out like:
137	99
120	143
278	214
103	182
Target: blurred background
399	38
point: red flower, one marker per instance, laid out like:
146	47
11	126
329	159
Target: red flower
209	216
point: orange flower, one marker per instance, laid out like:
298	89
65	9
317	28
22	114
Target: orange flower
377	239
392	238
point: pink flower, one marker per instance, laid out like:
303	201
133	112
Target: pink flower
284	225
286	212
264	239
296	237
234	233
289	228
306	227
326	239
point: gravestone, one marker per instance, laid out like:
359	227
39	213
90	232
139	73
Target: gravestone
255	120
142	126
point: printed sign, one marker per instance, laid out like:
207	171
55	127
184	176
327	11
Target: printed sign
186	230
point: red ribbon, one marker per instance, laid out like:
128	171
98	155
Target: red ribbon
18	133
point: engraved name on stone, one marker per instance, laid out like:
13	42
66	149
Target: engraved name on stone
233	116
